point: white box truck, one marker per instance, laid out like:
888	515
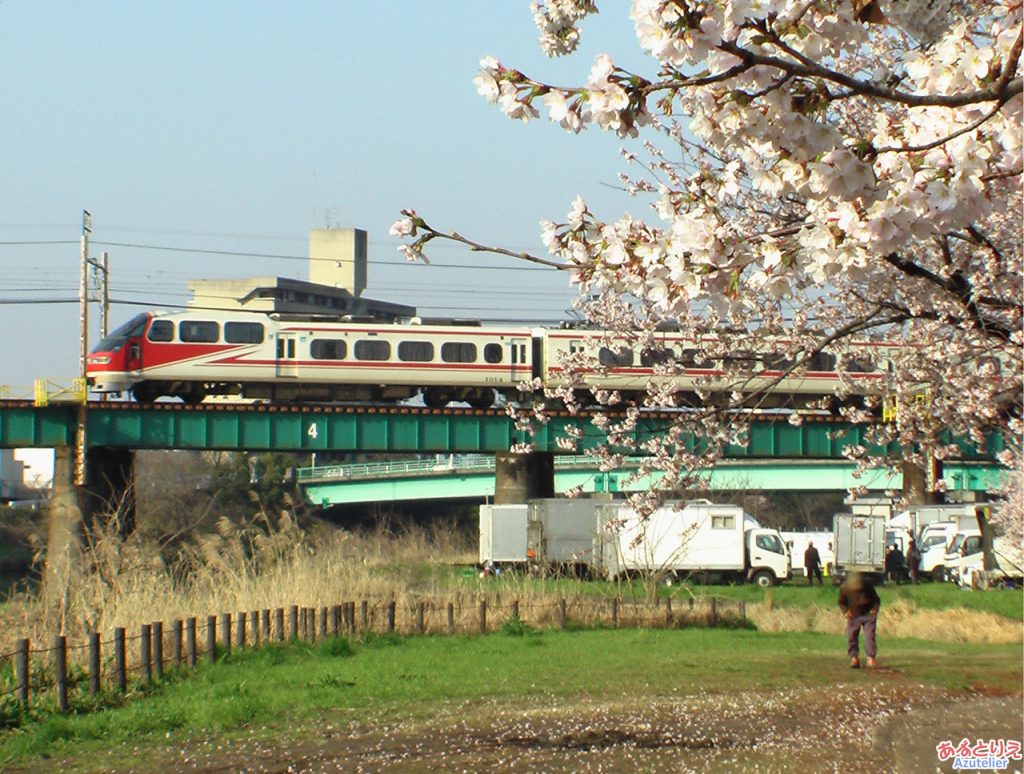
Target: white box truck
697	538
859	543
552	532
503	534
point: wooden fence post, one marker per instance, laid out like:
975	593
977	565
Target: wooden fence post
120	661
713	612
60	670
211	637
21	671
240	626
176	642
421	622
279	622
190	641
266	625
561	613
94	663
225	633
311	623
336	617
350	629
254	617
615	612
451	618
293	621
483	616
146	651
391	616
364	615
323	622
158	649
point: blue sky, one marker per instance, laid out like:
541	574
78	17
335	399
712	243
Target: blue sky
237	126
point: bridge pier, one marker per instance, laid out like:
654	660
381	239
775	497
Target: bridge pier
110	488
918	483
519	478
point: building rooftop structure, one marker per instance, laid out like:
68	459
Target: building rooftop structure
337	266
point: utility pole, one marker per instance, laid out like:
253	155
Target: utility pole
104	268
83	349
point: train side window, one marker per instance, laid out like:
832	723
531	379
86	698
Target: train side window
493	352
372	350
862	364
243	332
327	349
415	351
822	361
777	362
691	359
199	331
653	357
458	352
161	330
576	346
615	358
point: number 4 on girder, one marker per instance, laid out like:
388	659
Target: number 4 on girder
312	432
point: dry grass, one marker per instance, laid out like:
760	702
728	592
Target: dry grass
900	619
273	563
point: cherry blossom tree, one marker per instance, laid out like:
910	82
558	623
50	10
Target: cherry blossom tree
810	176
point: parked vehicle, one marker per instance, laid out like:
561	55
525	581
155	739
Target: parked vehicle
797	542
547	533
859	542
934	540
698	538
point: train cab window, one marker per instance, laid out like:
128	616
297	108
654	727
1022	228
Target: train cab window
372	350
492	353
243	332
620	357
458	352
327	349
415	351
134	327
822	361
200	331
161	330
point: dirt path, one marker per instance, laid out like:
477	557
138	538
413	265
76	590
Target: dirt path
884	725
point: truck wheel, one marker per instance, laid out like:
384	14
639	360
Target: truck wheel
764	578
939	574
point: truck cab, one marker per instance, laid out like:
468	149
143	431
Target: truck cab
768	557
932	544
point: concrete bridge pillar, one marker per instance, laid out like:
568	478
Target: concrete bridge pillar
519	478
918	483
63	531
110	489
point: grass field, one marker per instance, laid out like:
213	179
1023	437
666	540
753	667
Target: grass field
287	693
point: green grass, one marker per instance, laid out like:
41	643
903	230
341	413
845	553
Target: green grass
279	688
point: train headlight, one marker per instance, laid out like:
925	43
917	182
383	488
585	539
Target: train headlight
99	359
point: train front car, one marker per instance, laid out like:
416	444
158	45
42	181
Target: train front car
115	363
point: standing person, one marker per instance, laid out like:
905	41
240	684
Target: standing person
812	564
859	602
913	560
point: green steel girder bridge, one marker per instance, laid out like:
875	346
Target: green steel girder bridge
102	457
386	429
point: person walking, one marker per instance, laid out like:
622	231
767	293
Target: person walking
913	561
812	564
859	602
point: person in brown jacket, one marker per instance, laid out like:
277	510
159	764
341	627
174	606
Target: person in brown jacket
859	602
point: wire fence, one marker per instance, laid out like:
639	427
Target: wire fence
64	674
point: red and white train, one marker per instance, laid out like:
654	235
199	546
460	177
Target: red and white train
195	354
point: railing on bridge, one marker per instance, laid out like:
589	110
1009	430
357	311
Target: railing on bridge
454	463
